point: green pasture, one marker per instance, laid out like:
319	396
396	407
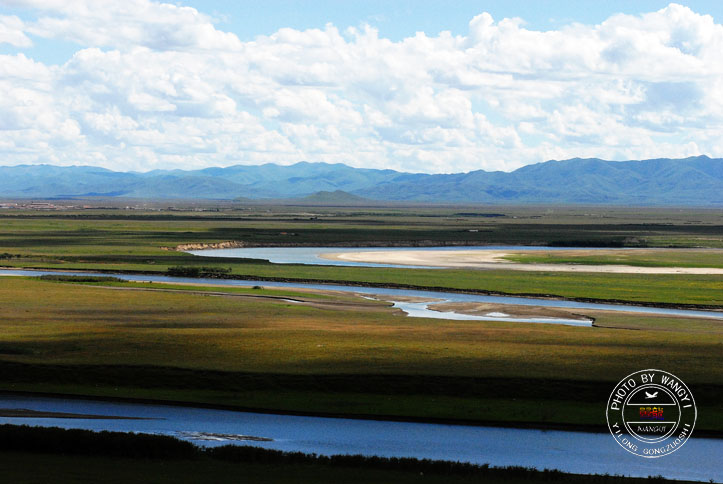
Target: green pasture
668	288
668	258
119	240
278	356
130	244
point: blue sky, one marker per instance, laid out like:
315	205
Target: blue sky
420	85
397	19
394	19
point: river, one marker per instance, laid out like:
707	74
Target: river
577	452
416	309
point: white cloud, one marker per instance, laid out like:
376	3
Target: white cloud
11	32
159	85
127	23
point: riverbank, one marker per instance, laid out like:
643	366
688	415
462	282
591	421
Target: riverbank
270	355
567	427
118	240
29	455
389	285
25	413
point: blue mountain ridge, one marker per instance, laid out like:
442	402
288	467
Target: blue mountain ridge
696	181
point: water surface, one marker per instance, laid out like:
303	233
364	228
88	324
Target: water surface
577	452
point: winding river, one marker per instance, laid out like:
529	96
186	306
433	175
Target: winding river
413	309
577	452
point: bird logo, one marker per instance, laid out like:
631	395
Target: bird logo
648	396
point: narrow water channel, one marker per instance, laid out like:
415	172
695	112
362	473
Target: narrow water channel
418	311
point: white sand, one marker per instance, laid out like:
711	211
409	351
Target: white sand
492	259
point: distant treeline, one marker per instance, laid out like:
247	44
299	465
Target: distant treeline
63	278
55	440
197	271
8	255
616	242
477	214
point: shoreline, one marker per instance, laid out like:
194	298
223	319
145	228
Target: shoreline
83	449
540	426
495	259
26	413
552	297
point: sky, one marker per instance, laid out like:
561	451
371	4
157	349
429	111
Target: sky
420	86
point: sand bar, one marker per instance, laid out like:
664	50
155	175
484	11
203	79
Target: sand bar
494	259
509	310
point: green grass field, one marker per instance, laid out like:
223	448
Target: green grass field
667	289
640	258
188	346
337	354
115	240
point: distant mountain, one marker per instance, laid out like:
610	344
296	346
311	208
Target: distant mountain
690	181
47	181
300	179
337	197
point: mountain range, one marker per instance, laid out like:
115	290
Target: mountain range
696	181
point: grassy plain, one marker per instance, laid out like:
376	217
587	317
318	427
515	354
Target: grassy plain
640	257
274	355
123	240
247	348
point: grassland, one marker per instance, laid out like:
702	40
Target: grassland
640	258
121	240
269	354
249	348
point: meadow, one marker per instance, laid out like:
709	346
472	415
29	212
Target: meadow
134	241
335	354
240	350
640	258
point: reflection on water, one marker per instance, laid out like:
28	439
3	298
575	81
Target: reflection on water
578	452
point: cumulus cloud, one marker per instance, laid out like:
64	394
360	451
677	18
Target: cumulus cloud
126	24
159	85
11	32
